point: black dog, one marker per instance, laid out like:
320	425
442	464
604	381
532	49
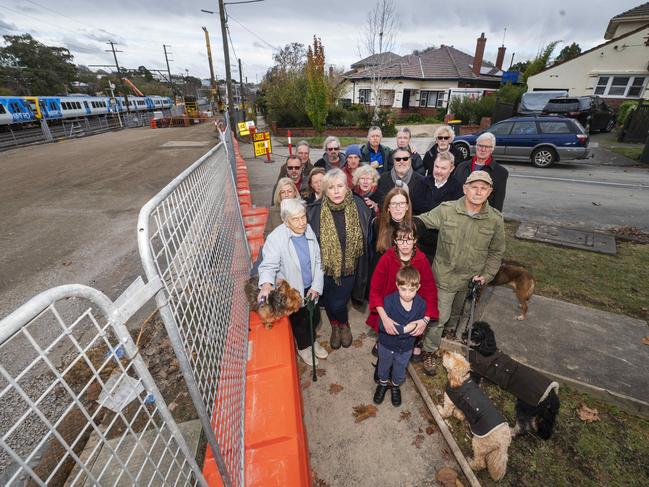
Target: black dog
537	402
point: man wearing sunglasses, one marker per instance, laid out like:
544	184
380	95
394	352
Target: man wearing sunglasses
484	161
333	157
375	154
401	175
295	171
443	142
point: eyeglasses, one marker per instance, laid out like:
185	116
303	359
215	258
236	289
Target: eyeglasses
399	159
398	204
444	137
404	240
333	148
293	168
480	146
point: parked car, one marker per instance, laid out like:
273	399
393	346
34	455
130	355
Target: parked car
543	140
533	102
592	112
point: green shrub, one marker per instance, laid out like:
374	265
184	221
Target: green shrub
625	110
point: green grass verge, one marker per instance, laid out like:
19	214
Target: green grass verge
630	152
317	141
611	283
613	451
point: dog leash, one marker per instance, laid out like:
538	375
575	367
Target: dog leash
474	290
310	306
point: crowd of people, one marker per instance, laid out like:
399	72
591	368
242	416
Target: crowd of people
404	233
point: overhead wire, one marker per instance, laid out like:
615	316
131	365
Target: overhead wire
254	34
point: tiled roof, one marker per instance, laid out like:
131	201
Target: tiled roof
445	62
374	59
641	12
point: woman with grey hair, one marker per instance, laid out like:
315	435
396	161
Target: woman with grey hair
332	156
341	222
291	252
484	161
403	142
443	142
365	181
375	154
284	189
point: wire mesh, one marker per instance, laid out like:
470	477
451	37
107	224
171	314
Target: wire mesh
192	237
77	404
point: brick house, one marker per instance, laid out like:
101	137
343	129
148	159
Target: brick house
425	82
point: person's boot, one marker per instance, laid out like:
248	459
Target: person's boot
334	341
395	396
379	394
345	335
429	366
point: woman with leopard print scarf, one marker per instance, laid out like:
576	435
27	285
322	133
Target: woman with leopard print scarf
341	221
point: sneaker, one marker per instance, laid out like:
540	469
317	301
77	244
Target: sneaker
395	396
319	351
429	363
334	341
306	357
379	394
345	335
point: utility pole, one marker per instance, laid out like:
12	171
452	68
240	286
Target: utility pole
243	104
226	56
119	74
215	88
171	84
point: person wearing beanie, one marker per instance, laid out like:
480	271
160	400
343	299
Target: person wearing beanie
353	154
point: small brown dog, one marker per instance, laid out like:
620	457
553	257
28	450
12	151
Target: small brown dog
282	301
518	277
463	398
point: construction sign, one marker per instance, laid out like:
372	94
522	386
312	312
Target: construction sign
244	127
261	141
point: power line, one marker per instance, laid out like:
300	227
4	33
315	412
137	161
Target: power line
254	34
58	13
34	18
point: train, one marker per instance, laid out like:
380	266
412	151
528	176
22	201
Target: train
24	109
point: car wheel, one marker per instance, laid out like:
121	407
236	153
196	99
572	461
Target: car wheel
544	157
464	150
610	125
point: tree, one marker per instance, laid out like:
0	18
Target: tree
145	73
539	63
520	66
291	57
379	37
34	68
317	92
568	52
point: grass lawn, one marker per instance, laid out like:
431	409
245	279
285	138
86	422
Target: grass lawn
611	283
613	451
317	141
630	152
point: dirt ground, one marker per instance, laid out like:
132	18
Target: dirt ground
69	209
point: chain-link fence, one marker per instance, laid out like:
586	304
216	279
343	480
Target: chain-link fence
77	403
191	236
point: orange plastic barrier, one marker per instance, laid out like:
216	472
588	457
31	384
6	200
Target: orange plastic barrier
255	244
275	440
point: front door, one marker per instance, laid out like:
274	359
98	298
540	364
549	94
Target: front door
405	102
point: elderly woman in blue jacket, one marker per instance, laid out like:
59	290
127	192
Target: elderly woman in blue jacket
291	252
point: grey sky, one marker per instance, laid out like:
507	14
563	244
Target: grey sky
141	27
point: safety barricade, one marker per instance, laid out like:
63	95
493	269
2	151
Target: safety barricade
77	403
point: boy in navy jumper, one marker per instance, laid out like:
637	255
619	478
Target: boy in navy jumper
404	307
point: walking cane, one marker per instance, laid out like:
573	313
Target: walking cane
310	306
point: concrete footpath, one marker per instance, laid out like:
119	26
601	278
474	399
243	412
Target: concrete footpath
593	350
398	446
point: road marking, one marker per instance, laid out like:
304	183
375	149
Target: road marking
584	181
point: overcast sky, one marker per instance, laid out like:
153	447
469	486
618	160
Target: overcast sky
140	27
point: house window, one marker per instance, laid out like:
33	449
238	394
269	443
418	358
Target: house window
433	99
364	96
620	86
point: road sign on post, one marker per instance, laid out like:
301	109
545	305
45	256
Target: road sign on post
262	144
245	127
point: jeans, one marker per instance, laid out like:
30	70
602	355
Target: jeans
397	360
336	297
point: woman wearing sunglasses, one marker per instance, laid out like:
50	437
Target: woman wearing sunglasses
401	175
401	252
443	142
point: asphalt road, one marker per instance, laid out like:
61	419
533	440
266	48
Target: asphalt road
68	210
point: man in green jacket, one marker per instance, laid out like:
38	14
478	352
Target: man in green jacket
470	247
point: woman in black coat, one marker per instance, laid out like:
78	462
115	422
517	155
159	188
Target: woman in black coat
444	136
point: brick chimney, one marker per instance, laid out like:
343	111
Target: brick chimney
479	54
501	57
331	71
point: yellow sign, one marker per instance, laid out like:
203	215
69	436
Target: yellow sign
244	127
259	136
260	146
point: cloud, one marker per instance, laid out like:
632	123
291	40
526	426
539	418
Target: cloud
7	26
102	35
79	47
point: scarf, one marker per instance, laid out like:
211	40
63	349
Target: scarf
337	262
401	182
474	161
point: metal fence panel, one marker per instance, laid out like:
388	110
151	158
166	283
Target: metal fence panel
191	236
77	403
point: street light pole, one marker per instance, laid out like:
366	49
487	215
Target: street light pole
226	56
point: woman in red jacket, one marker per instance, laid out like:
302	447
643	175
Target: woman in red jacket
404	252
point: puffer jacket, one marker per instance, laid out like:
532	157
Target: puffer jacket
524	382
467	245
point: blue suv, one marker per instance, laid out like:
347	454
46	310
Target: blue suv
541	140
